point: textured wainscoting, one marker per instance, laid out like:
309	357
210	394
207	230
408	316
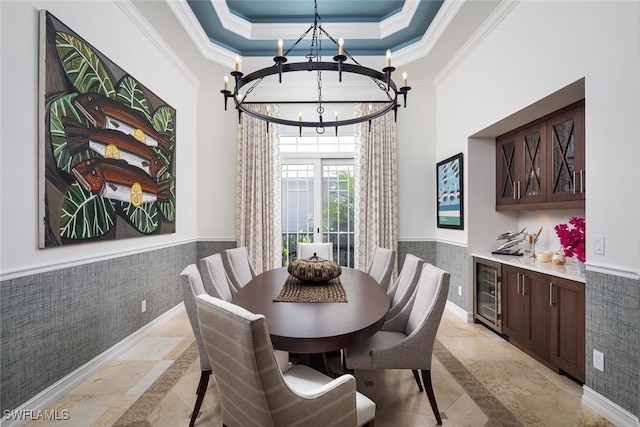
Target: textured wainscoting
452	258
54	322
612	327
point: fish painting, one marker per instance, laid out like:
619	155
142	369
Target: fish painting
113	144
105	113
116	180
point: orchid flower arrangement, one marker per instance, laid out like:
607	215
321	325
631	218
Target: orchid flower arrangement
572	237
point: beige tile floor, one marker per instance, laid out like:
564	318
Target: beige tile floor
479	380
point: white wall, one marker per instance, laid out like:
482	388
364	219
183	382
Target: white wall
416	164
537	49
216	163
110	29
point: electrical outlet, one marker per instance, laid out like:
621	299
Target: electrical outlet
143	306
598	245
598	360
459	290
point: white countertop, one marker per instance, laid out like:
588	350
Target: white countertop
570	270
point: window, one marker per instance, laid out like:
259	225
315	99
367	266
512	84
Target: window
318	194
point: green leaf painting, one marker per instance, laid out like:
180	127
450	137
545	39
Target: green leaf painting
63	107
85	215
163	122
83	67
144	217
130	94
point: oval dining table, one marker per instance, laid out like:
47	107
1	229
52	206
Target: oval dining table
317	327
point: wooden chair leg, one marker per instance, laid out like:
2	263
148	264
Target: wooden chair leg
426	378
417	378
202	389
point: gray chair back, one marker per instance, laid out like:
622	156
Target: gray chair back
381	266
215	279
192	287
405	285
238	267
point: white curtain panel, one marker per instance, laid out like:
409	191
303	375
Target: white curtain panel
258	190
376	206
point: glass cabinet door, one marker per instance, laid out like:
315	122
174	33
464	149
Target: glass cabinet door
566	158
506	171
532	186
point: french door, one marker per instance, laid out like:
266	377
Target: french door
317	206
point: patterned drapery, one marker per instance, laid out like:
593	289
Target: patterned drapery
376	206
258	222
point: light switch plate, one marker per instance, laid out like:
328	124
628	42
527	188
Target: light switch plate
598	245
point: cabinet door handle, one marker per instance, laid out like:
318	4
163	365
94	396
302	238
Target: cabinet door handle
514	190
518	190
574	182
518	284
524	293
550	294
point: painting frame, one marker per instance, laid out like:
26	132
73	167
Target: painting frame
106	146
450	193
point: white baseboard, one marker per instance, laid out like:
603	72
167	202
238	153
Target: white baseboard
459	312
54	392
608	409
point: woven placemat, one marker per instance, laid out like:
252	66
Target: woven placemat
295	290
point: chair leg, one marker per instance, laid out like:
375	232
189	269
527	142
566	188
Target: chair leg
202	389
426	378
417	378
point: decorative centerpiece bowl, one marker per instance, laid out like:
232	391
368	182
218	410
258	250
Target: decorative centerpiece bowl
314	269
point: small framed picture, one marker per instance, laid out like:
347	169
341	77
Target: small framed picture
449	206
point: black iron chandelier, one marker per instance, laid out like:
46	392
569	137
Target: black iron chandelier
382	81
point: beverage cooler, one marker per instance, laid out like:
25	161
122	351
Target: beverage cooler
486	293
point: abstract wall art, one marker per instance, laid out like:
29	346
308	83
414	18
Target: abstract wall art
106	146
450	209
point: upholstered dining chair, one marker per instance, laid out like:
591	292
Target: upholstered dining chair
381	266
192	286
323	250
254	392
238	267
408	344
214	277
404	287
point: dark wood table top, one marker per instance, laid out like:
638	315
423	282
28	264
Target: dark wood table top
305	327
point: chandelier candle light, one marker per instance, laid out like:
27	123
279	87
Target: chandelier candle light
382	81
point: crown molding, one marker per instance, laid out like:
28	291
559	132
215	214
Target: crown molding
156	38
348	30
441	21
400	21
478	36
190	23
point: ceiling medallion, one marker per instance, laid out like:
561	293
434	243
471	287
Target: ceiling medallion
382	81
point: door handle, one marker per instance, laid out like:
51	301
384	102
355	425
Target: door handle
550	294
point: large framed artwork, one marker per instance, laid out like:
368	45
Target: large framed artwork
450	209
106	146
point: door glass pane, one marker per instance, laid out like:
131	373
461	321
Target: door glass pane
297	208
338	211
508	166
563	161
532	164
